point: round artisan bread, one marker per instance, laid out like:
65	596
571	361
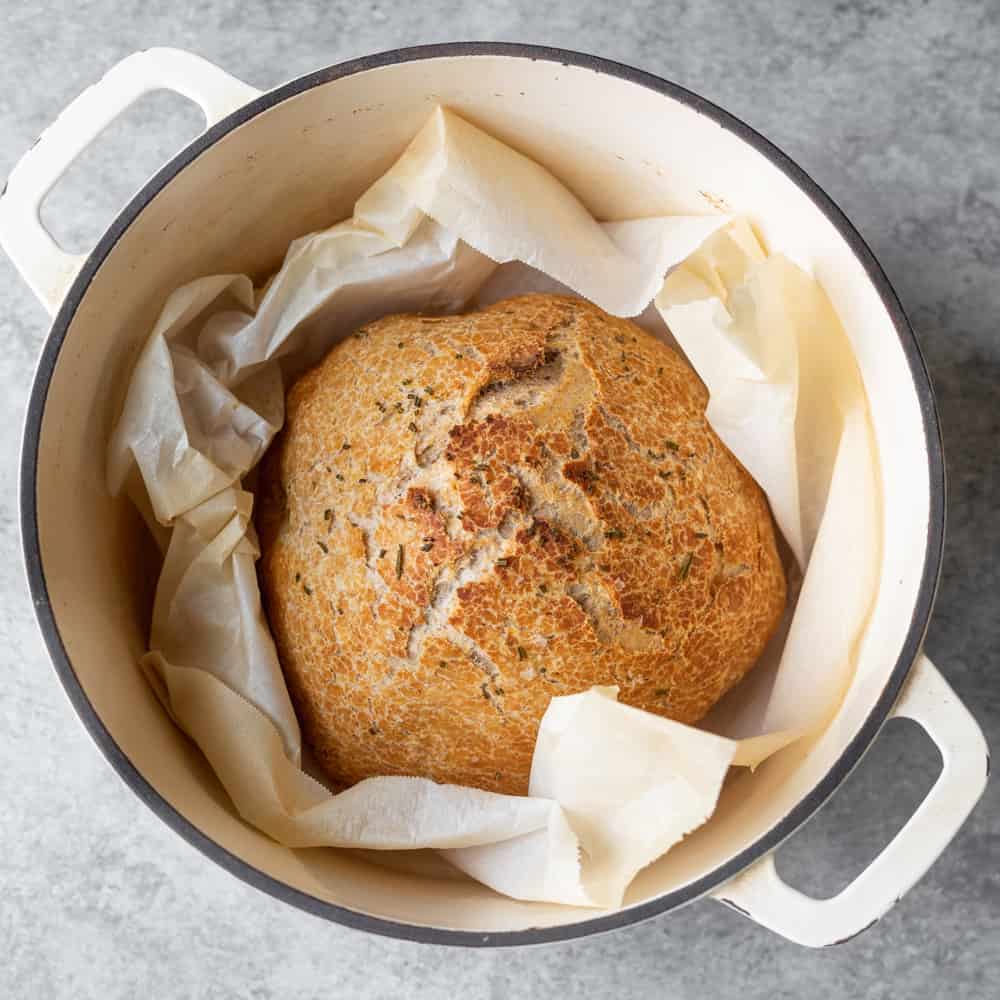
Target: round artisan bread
467	515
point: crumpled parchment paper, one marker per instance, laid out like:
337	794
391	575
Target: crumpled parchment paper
612	788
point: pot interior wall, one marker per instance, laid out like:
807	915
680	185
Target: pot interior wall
627	151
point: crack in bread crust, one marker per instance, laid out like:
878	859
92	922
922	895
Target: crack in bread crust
511	504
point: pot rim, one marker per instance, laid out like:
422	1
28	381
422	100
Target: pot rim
798	815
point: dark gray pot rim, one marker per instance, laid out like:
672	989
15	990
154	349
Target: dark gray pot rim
794	819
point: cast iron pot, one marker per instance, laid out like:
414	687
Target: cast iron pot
273	166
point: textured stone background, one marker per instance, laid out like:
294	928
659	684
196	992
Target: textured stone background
895	109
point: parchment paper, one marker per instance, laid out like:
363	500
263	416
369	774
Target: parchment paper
612	788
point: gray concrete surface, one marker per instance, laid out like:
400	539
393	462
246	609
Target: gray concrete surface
895	108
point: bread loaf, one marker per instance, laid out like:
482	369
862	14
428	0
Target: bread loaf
467	515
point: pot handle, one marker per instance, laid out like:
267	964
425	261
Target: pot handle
760	893
45	266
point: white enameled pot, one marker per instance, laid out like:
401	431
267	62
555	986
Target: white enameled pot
273	166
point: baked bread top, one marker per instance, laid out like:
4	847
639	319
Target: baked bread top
467	515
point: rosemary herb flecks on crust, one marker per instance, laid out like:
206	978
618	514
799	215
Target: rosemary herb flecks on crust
685	566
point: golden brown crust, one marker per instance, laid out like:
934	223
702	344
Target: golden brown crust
467	515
